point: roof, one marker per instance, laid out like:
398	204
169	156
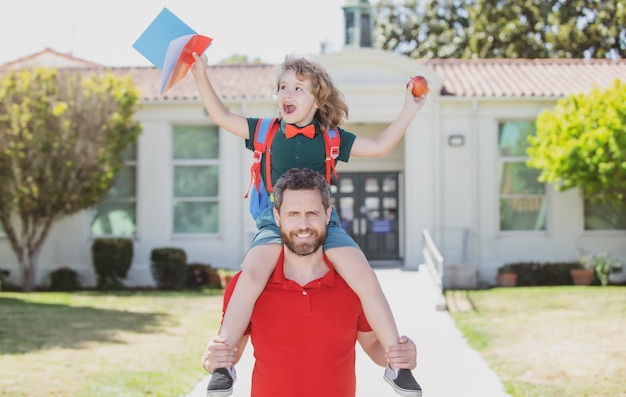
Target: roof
462	78
49	58
230	81
525	77
474	78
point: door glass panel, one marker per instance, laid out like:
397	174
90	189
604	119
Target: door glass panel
346	185
372	206
390	206
389	184
346	212
371	185
346	207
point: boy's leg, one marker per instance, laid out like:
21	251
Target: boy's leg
256	269
352	265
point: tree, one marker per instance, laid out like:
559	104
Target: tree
502	28
434	29
581	144
61	139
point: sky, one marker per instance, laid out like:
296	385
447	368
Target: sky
103	31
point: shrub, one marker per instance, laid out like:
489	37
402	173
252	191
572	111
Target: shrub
197	275
112	258
4	279
169	268
543	273
63	279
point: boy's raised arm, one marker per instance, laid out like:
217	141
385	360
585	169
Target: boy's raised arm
219	113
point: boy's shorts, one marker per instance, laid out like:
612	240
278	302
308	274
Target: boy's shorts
268	232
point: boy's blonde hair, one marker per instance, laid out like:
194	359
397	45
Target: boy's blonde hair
332	111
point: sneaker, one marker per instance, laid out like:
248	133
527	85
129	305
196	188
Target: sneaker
221	383
403	383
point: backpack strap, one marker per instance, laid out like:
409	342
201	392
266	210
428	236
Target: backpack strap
263	135
332	141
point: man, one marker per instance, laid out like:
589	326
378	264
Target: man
307	320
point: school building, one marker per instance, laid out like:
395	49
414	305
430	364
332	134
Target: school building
459	172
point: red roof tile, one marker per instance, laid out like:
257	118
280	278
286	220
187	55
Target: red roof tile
480	78
230	81
525	77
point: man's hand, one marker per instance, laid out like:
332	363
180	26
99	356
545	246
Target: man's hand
403	355
218	354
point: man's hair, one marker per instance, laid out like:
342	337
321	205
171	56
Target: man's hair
301	179
333	110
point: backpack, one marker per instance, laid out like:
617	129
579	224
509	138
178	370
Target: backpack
264	133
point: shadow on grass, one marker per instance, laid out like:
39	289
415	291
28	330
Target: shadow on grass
30	326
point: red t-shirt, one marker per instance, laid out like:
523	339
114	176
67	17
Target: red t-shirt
304	337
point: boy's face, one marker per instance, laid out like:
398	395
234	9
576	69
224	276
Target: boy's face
296	102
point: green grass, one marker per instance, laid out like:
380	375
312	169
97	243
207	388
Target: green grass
550	341
89	344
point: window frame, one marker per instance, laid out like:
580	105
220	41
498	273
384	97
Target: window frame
194	162
501	161
133	162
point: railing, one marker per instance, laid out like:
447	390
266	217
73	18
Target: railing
434	262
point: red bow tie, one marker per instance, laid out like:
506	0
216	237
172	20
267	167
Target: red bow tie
293	130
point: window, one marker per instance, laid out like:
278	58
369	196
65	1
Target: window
196	177
116	213
522	196
604	216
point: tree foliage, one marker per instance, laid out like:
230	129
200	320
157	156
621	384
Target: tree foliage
436	29
502	28
581	144
61	139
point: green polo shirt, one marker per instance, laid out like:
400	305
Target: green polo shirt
300	151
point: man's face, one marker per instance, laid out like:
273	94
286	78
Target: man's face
302	221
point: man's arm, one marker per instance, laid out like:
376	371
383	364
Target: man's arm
402	355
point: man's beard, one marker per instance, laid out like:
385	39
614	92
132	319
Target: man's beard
303	249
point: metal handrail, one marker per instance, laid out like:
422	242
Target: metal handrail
434	262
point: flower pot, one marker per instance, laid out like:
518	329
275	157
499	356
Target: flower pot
582	276
225	279
507	280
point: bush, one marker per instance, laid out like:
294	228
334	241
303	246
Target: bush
197	275
63	279
4	279
543	273
112	258
169	268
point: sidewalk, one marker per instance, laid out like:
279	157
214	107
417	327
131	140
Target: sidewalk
447	366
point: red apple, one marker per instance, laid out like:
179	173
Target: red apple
420	86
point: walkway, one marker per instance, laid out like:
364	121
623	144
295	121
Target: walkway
447	366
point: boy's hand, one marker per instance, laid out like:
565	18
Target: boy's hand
218	355
414	101
200	65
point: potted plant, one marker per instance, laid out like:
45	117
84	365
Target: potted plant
583	273
602	264
506	276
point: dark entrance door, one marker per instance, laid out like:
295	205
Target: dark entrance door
367	204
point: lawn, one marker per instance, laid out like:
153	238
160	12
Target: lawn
89	344
549	341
